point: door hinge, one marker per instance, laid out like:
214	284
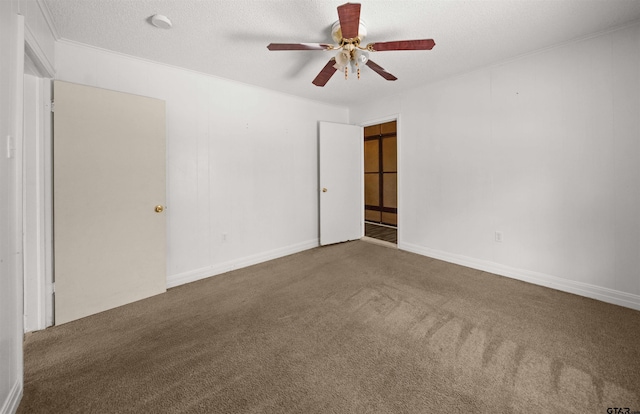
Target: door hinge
53	104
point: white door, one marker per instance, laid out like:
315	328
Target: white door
341	190
108	178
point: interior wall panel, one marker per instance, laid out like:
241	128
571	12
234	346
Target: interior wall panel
543	149
242	161
13	14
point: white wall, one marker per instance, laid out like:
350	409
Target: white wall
546	150
10	275
242	161
12	52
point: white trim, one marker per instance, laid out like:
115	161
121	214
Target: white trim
381	120
205	272
17	246
32	223
38	307
30	67
506	61
208	75
571	286
12	402
379	242
47	168
361	146
39	209
38	57
46	13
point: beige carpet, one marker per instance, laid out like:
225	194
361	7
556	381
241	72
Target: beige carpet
350	328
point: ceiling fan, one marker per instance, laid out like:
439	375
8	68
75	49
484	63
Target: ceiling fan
348	32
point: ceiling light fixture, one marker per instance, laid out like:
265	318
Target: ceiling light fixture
161	21
348	33
350	54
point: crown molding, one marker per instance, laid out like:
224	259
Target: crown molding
37	56
46	13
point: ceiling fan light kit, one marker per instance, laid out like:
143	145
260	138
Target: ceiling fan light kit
348	32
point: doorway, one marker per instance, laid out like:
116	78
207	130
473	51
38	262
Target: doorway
381	181
35	155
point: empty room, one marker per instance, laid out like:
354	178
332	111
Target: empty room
312	206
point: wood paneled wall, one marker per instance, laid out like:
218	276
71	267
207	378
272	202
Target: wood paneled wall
381	173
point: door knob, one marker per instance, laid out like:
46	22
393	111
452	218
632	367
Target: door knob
324	190
159	209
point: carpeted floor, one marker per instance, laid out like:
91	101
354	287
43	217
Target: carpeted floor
348	328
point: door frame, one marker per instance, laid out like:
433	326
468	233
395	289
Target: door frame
382	120
37	205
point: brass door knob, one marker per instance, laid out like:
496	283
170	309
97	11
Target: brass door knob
324	190
159	209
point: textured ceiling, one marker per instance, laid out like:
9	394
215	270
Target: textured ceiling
228	38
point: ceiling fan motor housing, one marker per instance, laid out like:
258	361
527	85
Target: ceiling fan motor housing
336	33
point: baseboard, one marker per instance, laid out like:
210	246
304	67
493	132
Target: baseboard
12	402
205	272
603	294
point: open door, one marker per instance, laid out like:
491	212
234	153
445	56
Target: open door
109	187
341	190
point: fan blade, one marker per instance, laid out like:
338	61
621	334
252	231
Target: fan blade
349	15
423	44
325	74
377	68
299	46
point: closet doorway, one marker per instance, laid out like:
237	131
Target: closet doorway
381	182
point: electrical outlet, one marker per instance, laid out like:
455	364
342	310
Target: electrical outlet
498	236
